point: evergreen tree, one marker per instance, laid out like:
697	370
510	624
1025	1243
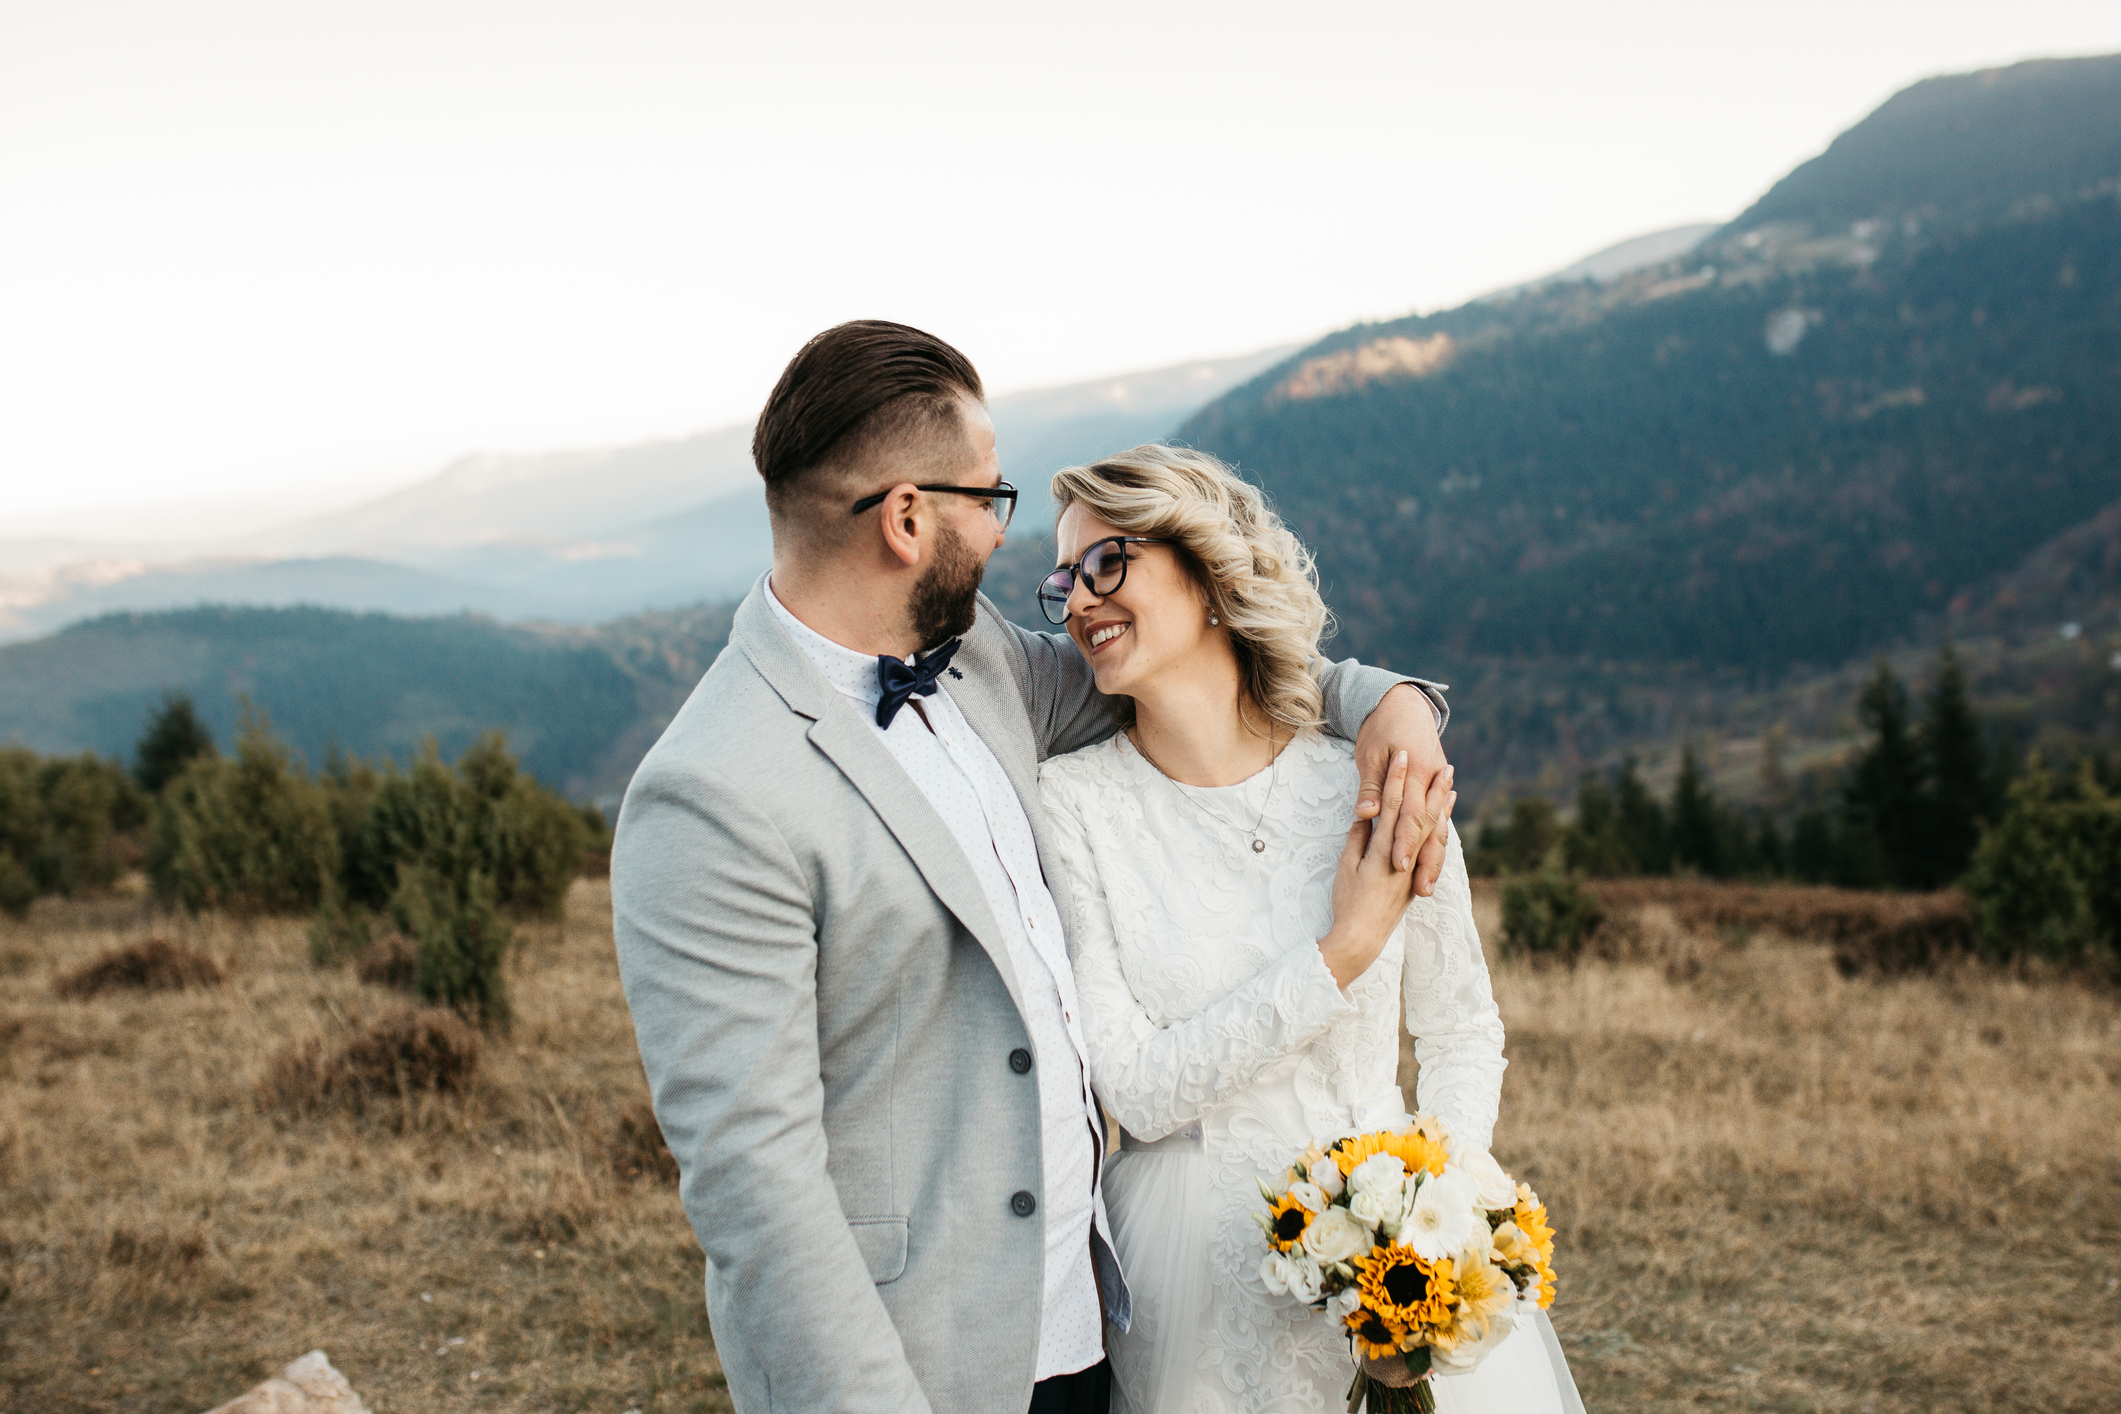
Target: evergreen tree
1961	788
1641	822
1812	847
174	736
1593	845
1696	833
1883	801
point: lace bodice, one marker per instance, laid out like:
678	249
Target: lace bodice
1208	1010
1197	959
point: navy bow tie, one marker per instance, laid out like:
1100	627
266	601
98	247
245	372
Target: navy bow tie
901	680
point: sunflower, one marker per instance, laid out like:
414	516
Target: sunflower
1375	1337
1286	1221
1405	1290
1416	1149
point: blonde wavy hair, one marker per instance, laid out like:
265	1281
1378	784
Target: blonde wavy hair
1258	577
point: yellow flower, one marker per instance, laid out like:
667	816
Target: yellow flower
1286	1221
1485	1291
1415	1149
1404	1290
1531	1218
1375	1337
1513	1247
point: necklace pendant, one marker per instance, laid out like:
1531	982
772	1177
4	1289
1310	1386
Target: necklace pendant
1259	846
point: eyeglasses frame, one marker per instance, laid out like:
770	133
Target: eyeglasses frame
999	491
1075	573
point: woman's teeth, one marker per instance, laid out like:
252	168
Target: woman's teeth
1107	634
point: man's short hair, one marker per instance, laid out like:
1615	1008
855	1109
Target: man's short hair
851	397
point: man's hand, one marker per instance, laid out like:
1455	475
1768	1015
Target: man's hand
1404	721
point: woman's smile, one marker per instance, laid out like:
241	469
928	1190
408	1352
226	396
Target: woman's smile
1102	634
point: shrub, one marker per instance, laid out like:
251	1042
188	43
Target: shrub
1548	914
423	1050
483	817
156	965
2046	878
460	937
393	960
174	738
60	824
251	835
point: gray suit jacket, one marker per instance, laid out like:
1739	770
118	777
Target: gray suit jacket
826	1008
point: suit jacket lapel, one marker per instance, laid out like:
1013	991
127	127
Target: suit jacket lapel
849	743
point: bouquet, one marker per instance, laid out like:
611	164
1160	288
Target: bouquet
1427	1255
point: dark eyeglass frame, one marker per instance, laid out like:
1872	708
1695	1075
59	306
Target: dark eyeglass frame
1000	491
1046	602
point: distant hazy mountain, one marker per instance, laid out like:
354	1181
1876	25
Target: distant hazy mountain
571	536
1863	401
1621	258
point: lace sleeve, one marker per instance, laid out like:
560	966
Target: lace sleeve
1157	1079
1451	1009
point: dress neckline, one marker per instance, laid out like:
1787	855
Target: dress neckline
1262	773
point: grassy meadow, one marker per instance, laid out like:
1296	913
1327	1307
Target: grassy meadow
1776	1187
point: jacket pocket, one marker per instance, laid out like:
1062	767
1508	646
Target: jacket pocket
883	1246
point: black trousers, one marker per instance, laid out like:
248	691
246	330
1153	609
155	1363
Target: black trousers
1084	1392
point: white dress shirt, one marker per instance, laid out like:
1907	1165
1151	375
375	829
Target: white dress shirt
961	778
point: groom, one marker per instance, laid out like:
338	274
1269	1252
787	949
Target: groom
844	953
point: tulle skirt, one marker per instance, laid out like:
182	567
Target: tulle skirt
1165	1214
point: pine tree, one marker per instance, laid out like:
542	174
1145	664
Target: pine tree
174	736
1961	790
1883	800
1641	822
1696	836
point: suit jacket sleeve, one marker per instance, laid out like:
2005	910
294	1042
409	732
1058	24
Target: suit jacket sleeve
1068	712
717	947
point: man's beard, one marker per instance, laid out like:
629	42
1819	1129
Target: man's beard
946	598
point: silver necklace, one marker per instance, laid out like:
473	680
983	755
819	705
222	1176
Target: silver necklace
1259	846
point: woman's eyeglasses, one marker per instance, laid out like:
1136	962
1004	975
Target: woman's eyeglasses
1103	568
1000	499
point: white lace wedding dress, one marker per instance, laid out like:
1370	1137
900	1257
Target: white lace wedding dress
1221	1044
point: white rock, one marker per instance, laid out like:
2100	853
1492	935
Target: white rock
307	1386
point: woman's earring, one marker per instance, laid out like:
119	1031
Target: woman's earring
1213	620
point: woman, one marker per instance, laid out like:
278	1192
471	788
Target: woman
1241	951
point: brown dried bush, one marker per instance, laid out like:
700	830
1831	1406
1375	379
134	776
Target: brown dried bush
156	965
421	1050
637	1150
393	960
1879	933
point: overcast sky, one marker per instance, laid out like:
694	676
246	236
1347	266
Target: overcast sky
270	253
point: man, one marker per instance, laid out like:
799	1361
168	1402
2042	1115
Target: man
844	956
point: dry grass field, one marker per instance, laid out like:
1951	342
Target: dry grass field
1777	1188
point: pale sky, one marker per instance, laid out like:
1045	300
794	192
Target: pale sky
261	253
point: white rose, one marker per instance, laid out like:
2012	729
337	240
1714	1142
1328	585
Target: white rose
1306	1282
1337	1236
1310	1195
1326	1174
1382	1171
1274	1273
1340	1307
1378	1206
1440	1220
1492	1187
1461	1357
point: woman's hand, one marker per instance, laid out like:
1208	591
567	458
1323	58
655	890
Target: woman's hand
1370	891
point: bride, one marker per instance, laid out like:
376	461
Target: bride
1241	951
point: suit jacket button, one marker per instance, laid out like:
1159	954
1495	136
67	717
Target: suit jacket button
1020	1061
1023	1204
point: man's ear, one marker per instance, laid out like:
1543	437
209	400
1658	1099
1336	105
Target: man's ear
903	518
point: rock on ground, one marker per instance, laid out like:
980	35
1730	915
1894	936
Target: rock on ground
308	1386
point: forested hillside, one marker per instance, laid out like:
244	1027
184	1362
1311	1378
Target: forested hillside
579	706
1851	411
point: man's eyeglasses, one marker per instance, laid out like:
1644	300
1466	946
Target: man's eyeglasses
1000	499
1103	567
